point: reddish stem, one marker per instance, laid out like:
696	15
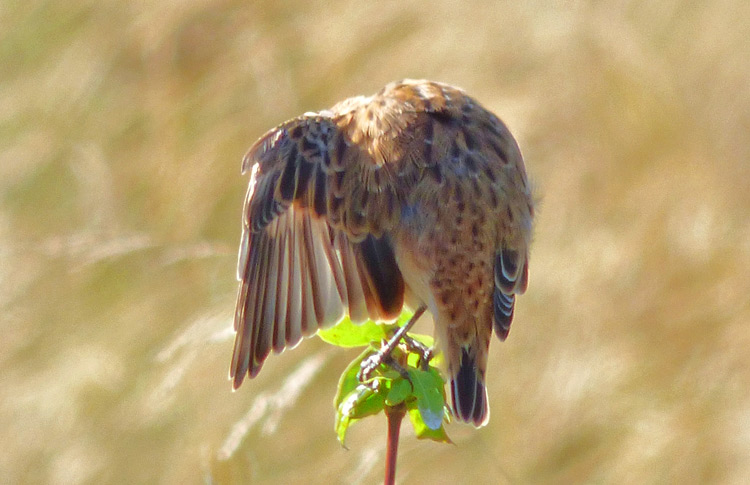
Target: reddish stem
394	415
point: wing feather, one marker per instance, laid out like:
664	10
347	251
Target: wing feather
307	315
309	252
358	312
261	333
282	287
294	316
511	277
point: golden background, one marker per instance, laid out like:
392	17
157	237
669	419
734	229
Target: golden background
122	126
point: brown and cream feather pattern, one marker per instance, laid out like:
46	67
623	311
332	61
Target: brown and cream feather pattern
415	195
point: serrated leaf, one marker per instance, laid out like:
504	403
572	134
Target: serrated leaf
399	391
424	432
428	389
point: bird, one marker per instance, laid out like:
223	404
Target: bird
415	197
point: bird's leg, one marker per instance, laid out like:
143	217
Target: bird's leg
384	354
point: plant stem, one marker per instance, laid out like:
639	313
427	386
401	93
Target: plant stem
394	415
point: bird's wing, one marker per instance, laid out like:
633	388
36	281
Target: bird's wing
511	278
314	236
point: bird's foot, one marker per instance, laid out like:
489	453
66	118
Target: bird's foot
383	356
374	361
425	353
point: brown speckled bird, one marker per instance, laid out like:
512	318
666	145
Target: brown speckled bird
415	196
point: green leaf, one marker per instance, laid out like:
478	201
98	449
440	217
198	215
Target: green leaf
424	432
347	334
399	391
355	400
427	340
429	391
404	318
363	401
348	380
423	392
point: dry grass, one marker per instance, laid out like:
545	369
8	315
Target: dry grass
121	131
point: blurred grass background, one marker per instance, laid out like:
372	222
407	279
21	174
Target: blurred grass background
122	126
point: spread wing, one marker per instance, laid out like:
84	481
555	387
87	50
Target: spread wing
314	238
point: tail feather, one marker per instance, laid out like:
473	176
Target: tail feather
469	393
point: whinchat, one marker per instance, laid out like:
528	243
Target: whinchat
416	196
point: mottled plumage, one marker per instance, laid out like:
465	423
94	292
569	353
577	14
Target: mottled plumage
416	195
